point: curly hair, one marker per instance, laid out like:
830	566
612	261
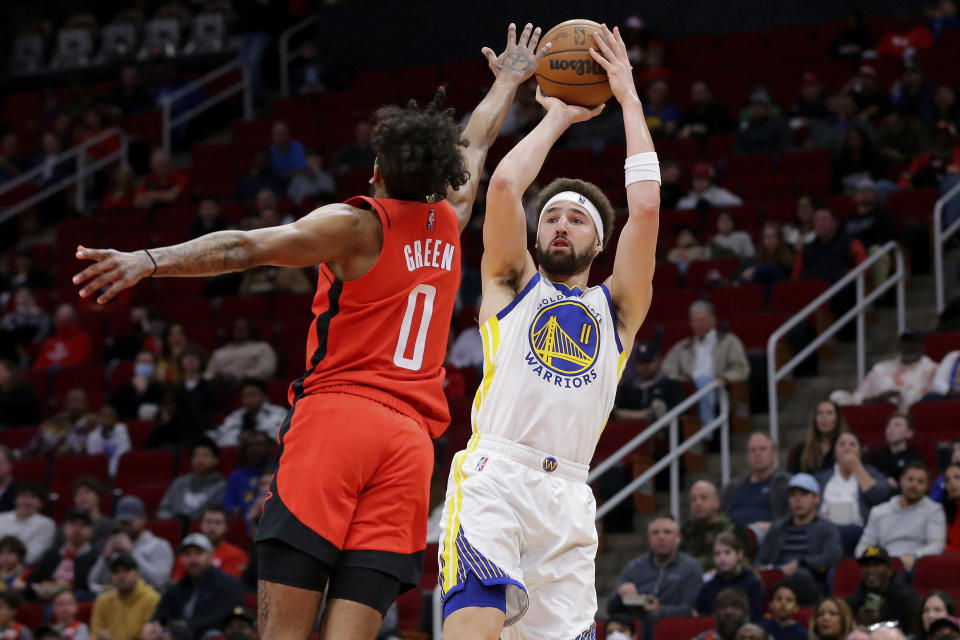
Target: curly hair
592	192
418	149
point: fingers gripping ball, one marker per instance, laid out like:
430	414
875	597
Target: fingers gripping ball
567	71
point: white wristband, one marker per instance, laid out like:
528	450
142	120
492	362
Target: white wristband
642	166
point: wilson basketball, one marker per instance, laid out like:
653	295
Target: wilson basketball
568	72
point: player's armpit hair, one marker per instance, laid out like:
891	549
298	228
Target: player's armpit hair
590	191
418	149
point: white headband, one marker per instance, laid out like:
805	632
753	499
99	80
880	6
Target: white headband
576	198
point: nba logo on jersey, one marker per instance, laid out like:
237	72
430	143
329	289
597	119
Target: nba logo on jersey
550	464
481	463
430	219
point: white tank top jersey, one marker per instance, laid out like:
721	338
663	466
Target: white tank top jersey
552	362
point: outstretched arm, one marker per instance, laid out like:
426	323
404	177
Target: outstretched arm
512	68
334	233
631	282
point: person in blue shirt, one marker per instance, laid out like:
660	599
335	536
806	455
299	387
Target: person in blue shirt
783	606
287	156
730	572
243	483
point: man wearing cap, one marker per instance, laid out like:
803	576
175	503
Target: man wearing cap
902	381
34	529
705	116
871	225
862	87
758	497
153	554
228	557
883	594
802	545
763	131
66	565
120	614
945	628
240	625
203	599
648	394
703	189
731	610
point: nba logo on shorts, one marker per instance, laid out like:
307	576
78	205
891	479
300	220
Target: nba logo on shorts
481	463
550	464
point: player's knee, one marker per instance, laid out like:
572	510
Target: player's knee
473	623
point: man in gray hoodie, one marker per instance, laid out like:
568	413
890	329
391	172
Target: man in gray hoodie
153	555
193	492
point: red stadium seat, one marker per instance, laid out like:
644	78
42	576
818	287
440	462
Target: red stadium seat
670	306
139	431
791	296
807	161
938	572
912	204
228	461
120	374
676	628
803	616
665	277
17	437
754	330
253	307
700	272
69	467
30	615
936	420
938	345
409	606
30	470
674	333
151	495
868	421
770	579
84	611
169	530
747	166
846	578
87	376
144	468
734	301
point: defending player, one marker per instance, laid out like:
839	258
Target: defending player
350	497
519	539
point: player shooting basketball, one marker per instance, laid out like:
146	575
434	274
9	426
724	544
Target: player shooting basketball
519	539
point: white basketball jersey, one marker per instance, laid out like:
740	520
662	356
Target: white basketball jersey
552	362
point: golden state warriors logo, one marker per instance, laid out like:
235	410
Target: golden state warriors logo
565	338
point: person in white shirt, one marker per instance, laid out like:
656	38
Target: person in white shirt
244	356
946	381
109	437
25	522
255	412
730	242
705	190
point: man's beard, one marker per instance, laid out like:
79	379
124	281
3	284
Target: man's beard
566	264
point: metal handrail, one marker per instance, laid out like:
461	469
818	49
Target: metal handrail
166	102
940	237
897	278
83	169
285	56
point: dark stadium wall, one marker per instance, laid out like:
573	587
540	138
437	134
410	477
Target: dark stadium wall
375	34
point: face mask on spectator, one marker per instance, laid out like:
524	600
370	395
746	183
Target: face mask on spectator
143	369
617	635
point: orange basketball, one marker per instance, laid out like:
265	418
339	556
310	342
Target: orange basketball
568	72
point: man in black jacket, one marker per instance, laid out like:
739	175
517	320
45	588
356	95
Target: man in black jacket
67	564
883	594
203	599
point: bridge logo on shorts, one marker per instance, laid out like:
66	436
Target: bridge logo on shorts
550	464
564	338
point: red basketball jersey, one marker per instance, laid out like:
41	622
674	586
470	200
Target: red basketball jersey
388	329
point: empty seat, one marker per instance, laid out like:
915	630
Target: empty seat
739	168
791	296
938	345
144	468
670	306
17	437
734	301
868	421
74	48
30	470
806	161
846	578
169	530
936	419
938	572
912	204
665	277
676	628
699	273
755	330
68	468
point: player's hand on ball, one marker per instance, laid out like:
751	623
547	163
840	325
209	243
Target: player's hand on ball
612	56
117	269
571	111
520	59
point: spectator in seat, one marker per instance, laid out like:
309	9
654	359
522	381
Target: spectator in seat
705	524
936	605
908	34
830	254
731	612
243	485
891	459
759	497
202	600
909	526
945	628
816	452
866	93
668	577
763	131
670	189
255	413
227	557
687	249
803	545
850	489
287	156
648	394
10	629
163	186
87	494
774	259
254	513
709	355
54	169
951	484
801	231
945	107
855	37
69	345
18	401
260	280
12	163
139	399
131	97
203	487
653	64
121	613
8	488
313	182
619	626
663	119
783	605
883	594
705	117
358	154
913	95
859	160
27	523
24	325
109	437
937	167
729	242
901	381
309	75
260	177
937	493
242	625
64	617
209	219
24	273
731	571
831	620
196	398
168	364
902	138
244	356
812	104
121	193
67	565
13	571
704	191
54	440
153	555
872	226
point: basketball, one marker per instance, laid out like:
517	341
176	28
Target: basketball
568	72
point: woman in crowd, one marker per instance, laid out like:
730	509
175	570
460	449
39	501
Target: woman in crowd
774	260
816	452
937	604
801	232
731	571
729	242
831	620
951	486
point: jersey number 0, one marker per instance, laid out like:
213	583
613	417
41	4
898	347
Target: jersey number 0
428	292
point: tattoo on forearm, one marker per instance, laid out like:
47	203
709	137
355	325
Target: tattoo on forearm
212	254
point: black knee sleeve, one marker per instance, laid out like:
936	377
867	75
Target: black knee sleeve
366	586
279	562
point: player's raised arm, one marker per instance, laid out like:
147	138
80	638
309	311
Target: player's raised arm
512	68
333	233
631	282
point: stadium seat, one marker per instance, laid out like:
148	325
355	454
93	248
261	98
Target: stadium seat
755	330
144	468
30	615
674	333
806	161
84	611
169	530
120	374
69	467
665	277
846	578
17	437
670	306
409	606
912	204
938	345
30	470
253	307
803	616
747	166
938	572
699	273
734	301
791	296
139	431
936	420
151	495
87	376
676	628
770	578
868	421
228	461
616	434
